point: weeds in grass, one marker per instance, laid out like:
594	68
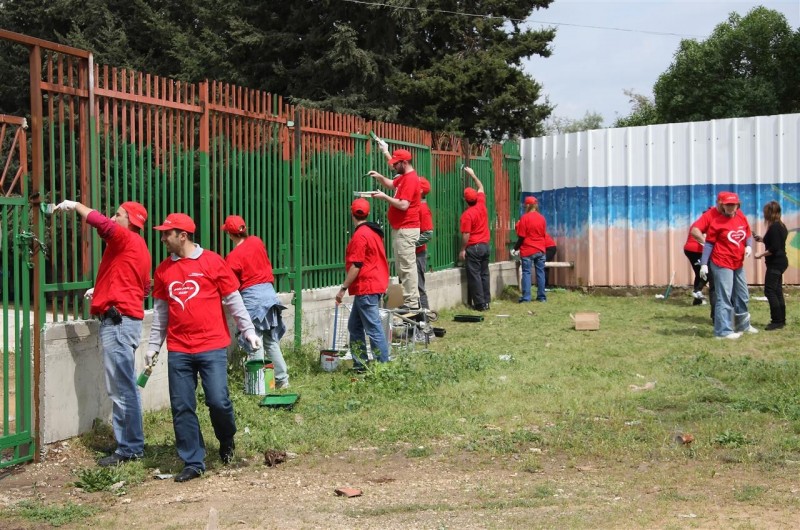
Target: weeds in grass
105	478
729	438
748	493
53	514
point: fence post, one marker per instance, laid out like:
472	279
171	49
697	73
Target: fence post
296	205
203	165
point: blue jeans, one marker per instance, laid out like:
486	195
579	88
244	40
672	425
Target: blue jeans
730	289
537	260
118	344
183	369
365	318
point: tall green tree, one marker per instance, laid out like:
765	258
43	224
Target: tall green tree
422	63
747	67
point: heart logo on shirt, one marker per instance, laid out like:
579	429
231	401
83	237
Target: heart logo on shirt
182	292
737	236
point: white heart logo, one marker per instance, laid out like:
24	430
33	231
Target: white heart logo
736	236
182	292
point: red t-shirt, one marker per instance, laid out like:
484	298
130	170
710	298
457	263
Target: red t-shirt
123	278
366	247
475	222
406	188
728	234
250	263
548	241
533	228
193	290
702	223
425	223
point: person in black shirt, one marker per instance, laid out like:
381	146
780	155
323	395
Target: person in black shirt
775	258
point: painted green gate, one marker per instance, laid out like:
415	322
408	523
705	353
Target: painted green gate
17	243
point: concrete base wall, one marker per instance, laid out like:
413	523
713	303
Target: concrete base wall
72	388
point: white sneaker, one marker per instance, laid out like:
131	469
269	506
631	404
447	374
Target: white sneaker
731	336
751	329
698	295
281	385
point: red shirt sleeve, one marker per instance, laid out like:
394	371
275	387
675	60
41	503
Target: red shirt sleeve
226	280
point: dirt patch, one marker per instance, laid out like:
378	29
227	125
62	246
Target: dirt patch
445	490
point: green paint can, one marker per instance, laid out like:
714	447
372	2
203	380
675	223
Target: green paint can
259	378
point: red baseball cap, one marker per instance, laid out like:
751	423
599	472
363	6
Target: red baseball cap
730	198
721	194
400	155
531	200
424	185
470	195
360	207
234	224
177	221
137	214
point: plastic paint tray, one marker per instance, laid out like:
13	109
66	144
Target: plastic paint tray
468	318
280	400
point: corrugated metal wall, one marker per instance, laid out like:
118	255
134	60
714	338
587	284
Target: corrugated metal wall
619	202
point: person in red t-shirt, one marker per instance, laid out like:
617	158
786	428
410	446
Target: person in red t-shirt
425	234
728	242
404	219
693	250
191	287
475	245
117	299
367	279
531	230
250	263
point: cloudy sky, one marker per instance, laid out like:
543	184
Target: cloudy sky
590	66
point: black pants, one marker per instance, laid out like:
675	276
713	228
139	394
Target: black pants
422	263
694	259
773	290
549	255
477	264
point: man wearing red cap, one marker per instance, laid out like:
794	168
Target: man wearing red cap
191	287
727	243
474	252
531	230
250	263
425	234
367	279
404	219
117	299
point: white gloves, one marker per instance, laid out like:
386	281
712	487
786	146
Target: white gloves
704	271
384	147
253	340
150	358
89	293
747	251
514	253
66	206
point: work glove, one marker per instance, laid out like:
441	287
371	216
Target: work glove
150	358
66	206
514	253
384	147
89	293
747	251
704	272
253	340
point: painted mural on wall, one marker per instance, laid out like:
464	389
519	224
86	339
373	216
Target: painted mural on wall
619	202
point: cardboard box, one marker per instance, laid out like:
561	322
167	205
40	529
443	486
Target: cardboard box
586	321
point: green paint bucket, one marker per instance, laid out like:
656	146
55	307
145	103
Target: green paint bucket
258	378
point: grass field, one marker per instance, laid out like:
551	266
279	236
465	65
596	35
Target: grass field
528	393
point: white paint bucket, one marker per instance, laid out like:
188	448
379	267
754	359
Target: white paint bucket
258	378
329	360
